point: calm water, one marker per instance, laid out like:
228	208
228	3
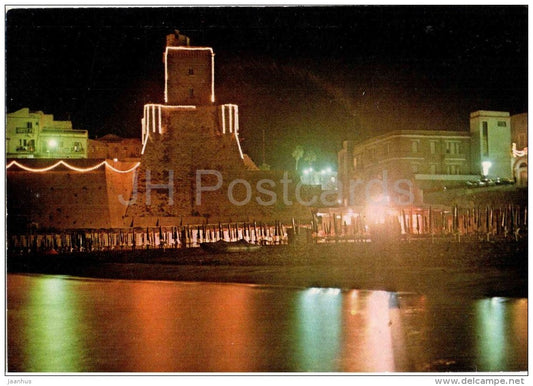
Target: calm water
62	324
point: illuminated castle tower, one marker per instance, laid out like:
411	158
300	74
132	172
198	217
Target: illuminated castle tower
189	72
189	96
186	133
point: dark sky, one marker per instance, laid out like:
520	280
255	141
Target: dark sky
312	76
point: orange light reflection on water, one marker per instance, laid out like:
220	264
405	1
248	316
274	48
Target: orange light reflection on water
165	318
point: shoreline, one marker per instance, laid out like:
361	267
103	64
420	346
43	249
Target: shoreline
469	269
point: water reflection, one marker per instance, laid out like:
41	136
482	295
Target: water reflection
63	324
500	326
319	328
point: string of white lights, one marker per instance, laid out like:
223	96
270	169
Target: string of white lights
122	171
519	153
36	170
75	168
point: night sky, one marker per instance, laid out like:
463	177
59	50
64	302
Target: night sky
302	75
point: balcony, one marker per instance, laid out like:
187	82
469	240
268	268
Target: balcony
25	149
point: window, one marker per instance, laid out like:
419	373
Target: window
23	145
414	146
29	125
433	147
76	148
358	161
502	124
433	169
453	169
191	93
453	147
485	139
191	71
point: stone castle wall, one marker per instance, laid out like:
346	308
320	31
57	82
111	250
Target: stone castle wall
65	199
193	140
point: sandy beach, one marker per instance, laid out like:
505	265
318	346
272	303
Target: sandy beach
471	269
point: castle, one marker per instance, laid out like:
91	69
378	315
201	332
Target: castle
192	168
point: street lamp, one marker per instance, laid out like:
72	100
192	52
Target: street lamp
485	165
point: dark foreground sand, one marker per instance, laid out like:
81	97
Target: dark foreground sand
469	269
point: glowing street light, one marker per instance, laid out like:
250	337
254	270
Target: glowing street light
485	165
52	143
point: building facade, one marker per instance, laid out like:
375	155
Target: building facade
112	146
34	134
491	143
426	160
519	139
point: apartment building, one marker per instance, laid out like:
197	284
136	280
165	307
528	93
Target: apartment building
34	134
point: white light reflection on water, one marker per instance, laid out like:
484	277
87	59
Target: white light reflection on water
49	335
501	331
371	324
319	328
